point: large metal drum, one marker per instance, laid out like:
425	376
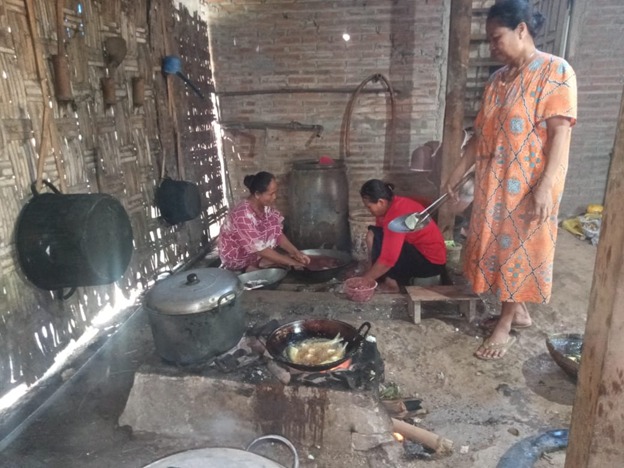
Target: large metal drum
319	206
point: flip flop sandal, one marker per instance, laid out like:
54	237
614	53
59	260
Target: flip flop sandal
488	345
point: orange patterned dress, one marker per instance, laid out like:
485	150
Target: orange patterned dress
505	253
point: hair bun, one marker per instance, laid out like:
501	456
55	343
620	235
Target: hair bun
248	180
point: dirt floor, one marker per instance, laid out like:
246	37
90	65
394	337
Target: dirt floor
483	407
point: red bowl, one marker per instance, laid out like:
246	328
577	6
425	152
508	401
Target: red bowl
359	289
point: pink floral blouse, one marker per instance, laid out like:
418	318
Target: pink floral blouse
244	233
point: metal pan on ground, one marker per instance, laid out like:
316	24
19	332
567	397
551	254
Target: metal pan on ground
266	278
565	349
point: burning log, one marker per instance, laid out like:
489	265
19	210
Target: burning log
435	442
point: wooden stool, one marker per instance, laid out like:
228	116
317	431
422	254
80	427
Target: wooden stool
418	294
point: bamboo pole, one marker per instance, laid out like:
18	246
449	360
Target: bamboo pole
46	121
172	108
429	439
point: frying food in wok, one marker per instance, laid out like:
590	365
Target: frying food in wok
316	351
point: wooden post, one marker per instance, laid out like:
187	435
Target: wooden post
597	430
453	136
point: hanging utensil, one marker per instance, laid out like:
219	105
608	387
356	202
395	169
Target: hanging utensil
115	49
60	65
418	220
172	65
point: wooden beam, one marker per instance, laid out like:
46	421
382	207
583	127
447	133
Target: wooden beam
453	136
597	430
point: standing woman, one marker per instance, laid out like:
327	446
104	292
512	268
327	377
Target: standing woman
520	151
253	228
397	258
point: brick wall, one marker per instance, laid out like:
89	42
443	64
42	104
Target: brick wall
596	52
263	46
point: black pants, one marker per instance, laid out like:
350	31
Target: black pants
411	263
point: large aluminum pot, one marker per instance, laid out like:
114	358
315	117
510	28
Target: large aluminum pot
195	315
218	457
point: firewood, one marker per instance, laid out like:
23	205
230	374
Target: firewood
429	439
395	408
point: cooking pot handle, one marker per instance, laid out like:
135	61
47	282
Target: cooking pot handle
63	297
360	336
35	192
224	296
162	272
281	439
365	325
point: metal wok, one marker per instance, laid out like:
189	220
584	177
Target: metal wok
267	278
296	332
342	260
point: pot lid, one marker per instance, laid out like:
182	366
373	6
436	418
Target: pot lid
193	291
215	458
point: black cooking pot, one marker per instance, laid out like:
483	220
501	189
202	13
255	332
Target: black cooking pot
178	200
195	315
71	240
295	332
341	260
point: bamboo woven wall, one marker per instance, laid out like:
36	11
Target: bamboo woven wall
114	149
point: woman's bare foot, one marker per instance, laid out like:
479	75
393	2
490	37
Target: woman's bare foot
388	286
522	318
497	344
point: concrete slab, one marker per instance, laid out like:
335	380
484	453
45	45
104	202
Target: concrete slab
221	412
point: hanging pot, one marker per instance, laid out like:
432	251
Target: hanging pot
71	240
195	315
178	200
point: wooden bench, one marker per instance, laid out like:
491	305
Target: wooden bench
419	294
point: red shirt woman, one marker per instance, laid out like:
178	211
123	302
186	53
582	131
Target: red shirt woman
395	257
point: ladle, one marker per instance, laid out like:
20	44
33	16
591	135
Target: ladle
414	221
